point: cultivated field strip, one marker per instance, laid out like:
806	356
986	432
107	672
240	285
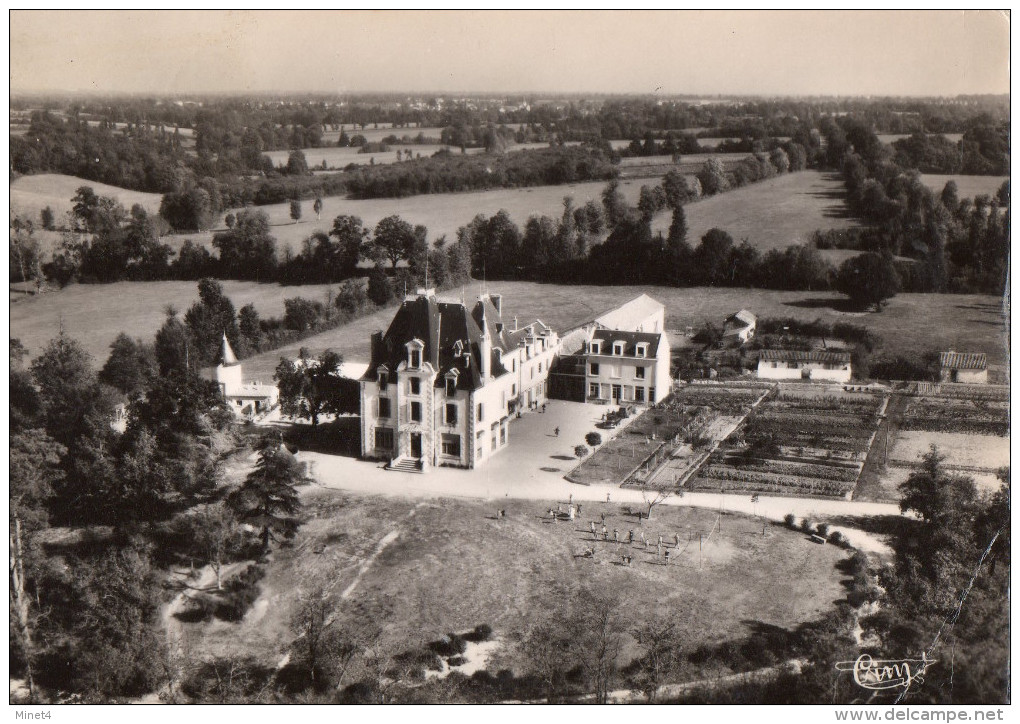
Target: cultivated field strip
798	444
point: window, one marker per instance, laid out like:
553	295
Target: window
479	453
481	412
641	350
614	371
502	434
451	445
451	386
494	430
639	372
651	394
618	349
616	392
593	389
451	414
384	407
639	394
596	347
513	390
384	439
594	368
414	385
415	358
513	362
539	368
384	378
415	412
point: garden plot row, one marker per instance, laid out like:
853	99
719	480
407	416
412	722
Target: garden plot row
800	446
730	401
929	414
788	486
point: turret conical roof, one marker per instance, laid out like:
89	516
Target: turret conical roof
227	356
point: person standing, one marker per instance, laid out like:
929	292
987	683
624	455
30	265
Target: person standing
630	536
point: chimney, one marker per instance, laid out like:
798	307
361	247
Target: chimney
485	350
515	322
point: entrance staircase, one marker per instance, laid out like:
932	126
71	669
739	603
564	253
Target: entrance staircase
405	465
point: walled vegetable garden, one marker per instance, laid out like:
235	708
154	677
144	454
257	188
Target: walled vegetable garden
945	414
796	444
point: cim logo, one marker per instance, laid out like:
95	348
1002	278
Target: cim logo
883	674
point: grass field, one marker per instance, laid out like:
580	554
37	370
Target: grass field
981	451
772	214
95	314
911	324
451	566
31	194
893	137
967	186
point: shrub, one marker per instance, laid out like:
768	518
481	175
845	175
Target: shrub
823	530
790	520
481	632
456	661
838	539
240	594
807	525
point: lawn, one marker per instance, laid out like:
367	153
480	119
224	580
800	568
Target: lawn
967	186
772	214
450	565
980	451
31	194
95	314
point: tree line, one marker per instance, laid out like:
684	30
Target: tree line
956	245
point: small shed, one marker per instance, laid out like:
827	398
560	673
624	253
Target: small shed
970	367
740	327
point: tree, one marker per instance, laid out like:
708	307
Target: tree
593	439
247	251
379	289
351	242
48	218
67	383
214	536
114	607
268	498
34	470
580	451
712	257
175	346
653	498
310	387
209	319
317	207
868	279
393	240
712	177
249	326
661	639
938	497
131	365
351	297
595	638
295	210
993	522
296	164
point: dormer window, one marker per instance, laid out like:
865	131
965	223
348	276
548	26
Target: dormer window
384	378
641	350
451	383
618	349
414	349
596	347
458	348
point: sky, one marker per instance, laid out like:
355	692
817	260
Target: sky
918	53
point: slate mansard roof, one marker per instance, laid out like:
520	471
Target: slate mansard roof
452	339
